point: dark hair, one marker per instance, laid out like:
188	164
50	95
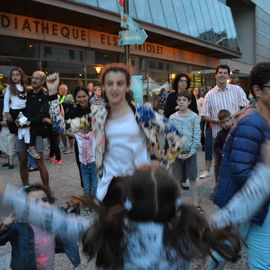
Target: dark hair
37	187
223	114
177	79
13	88
259	75
187	94
78	89
154	195
118	67
199	94
223	67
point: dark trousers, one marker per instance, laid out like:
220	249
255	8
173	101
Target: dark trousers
76	150
54	145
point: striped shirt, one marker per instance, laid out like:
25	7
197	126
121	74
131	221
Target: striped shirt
233	98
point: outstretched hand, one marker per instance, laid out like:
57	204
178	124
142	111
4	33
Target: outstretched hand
52	82
266	153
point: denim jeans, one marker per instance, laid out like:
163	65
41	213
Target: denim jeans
89	178
208	145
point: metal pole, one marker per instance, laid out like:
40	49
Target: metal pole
126	47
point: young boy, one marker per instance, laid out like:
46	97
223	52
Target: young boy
32	247
224	116
188	124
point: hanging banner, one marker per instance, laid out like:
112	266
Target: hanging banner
137	89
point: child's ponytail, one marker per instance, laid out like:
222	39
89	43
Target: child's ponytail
195	239
104	238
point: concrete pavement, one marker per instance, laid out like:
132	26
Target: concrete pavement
64	180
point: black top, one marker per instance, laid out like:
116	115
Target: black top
220	141
37	108
171	104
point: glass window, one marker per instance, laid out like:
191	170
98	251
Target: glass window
181	17
193	29
143	11
19	47
208	34
109	5
28	66
199	18
213	19
220	23
157	12
61	54
132	9
170	16
231	32
106	57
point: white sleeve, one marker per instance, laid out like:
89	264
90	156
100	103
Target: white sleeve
6	100
49	218
243	101
247	201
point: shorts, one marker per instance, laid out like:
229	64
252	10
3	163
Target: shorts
22	147
190	167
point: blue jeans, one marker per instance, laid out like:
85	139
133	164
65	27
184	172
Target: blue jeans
31	162
258	242
208	145
89	178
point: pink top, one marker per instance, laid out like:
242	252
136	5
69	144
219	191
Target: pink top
44	249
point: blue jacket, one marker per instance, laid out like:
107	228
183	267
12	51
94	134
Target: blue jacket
23	257
241	154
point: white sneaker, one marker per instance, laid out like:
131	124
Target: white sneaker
205	174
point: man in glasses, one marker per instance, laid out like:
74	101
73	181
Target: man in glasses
37	109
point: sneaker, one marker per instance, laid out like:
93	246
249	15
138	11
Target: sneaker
11	166
184	186
32	169
33	152
5	165
205	174
57	162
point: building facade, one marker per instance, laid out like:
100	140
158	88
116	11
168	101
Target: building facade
76	38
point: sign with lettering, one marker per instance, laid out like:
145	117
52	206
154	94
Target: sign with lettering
44	30
132	37
37	29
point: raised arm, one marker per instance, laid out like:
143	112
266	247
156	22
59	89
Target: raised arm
58	121
48	218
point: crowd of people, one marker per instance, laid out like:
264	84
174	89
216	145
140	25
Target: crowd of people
132	162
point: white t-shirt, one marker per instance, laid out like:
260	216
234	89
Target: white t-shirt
126	151
13	102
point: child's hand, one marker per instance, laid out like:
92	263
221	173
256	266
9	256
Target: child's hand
52	82
9	117
47	121
7	222
73	204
